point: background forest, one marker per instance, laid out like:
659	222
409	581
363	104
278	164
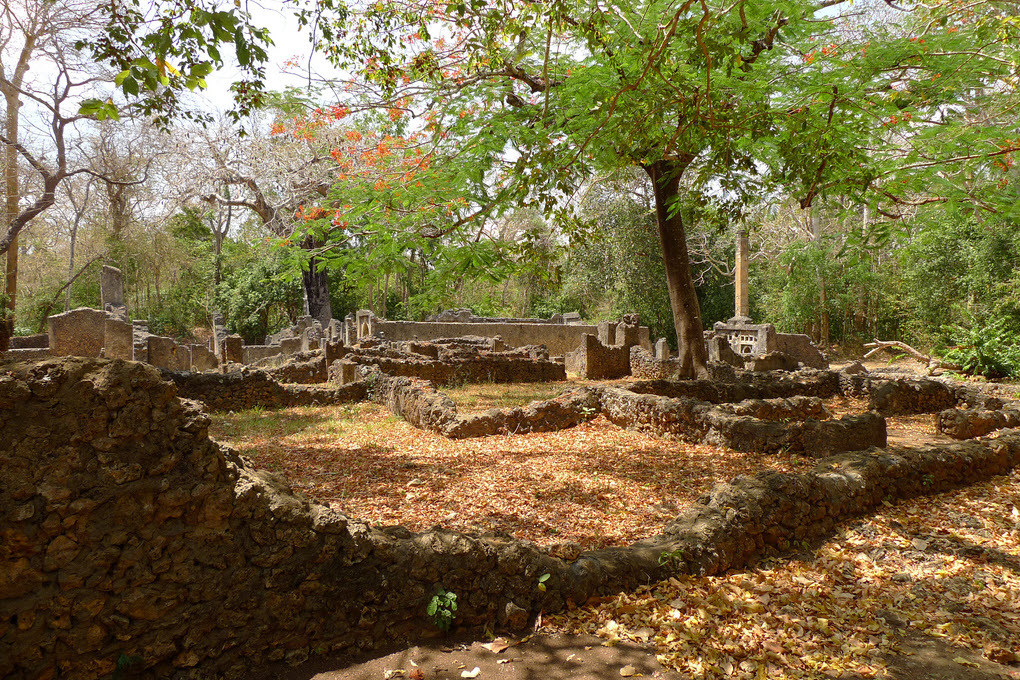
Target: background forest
250	216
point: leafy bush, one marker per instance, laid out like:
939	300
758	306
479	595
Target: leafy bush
991	350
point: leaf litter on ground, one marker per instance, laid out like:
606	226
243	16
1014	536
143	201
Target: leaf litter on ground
947	566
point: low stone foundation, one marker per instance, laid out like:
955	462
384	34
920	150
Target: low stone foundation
247	388
421	405
131	539
799	424
971	423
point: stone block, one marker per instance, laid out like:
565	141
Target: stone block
773	361
802	349
203	359
118	339
165	353
607	333
719	350
77	333
291	345
661	352
595	361
627	335
233	349
348	372
334	351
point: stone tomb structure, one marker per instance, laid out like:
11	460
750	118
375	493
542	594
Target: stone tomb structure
130	536
749	341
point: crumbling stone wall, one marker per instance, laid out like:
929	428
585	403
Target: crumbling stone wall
418	403
129	535
744	385
970	423
796	424
248	388
799	424
453	362
645	366
304	368
596	361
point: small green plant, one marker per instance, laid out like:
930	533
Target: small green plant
441	609
124	664
541	581
928	479
674	558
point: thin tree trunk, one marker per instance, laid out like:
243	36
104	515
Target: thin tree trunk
823	306
683	298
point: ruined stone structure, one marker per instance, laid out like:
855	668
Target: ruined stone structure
560	333
596	361
130	537
448	361
744	416
748	340
111	292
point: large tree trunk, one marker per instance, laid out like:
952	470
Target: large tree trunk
683	298
316	287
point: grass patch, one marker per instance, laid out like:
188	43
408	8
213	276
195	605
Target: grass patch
483	396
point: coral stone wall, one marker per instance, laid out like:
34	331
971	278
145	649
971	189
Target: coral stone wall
249	388
130	538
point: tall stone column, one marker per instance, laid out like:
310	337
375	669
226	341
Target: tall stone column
743	304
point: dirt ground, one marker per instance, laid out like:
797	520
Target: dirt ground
924	589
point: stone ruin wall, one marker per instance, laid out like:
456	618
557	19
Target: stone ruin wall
558	338
129	536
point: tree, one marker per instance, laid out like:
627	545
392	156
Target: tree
276	176
732	99
36	32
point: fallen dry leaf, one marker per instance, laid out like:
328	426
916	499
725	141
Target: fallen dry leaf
497	646
628	671
473	673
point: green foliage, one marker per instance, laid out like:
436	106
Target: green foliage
442	608
257	298
166	47
991	350
957	271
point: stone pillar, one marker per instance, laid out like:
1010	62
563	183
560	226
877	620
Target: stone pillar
741	294
118	339
661	349
111	292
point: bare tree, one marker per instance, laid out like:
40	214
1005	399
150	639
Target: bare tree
37	32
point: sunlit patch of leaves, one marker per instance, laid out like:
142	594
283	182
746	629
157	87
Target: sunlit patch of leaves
595	484
946	566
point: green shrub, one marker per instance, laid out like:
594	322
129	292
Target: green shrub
991	350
